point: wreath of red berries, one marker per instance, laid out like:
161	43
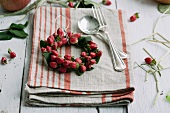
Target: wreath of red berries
90	56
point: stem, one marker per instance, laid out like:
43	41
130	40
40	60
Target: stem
146	76
141	67
159	41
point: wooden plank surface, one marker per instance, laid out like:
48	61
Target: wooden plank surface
146	91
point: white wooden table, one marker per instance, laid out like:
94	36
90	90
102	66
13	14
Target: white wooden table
14	75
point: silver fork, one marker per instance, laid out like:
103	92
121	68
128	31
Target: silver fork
118	63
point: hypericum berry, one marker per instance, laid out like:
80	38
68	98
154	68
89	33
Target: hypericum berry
55	45
60	32
134	17
82	68
99	53
59	60
77	35
62	69
91	42
73	65
54	52
148	60
67	57
48	48
88	66
53	58
73	40
106	2
83	54
50	41
53	64
64	41
55	34
78	60
92	61
93	46
3	60
12	54
43	50
70	4
66	63
88	58
69	34
60	43
92	54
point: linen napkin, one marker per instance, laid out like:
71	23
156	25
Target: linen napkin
103	86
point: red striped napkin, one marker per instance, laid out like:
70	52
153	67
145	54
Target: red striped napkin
100	87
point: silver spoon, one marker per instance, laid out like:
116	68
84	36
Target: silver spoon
90	25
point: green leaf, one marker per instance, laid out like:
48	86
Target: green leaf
89	69
19	33
18	26
83	40
97	59
153	62
43	44
47	57
5	35
163	7
78	72
137	15
168	97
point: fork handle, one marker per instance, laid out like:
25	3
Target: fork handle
118	63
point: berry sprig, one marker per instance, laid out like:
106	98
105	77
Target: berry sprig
134	17
12	55
87	58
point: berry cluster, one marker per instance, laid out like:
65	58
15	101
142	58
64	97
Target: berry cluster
89	57
12	55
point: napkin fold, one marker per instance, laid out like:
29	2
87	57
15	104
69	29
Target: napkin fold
103	86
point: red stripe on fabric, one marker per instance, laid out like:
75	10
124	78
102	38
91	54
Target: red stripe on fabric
53	79
103	98
124	48
88	93
32	50
67	51
42	66
48	72
38	49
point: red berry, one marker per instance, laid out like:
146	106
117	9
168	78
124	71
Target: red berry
133	18
73	65
99	53
53	58
59	60
88	66
64	41
92	61
55	34
50	40
62	69
43	49
48	48
88	58
70	4
148	60
69	34
12	54
67	57
54	52
60	43
92	54
91	42
66	63
83	54
77	35
93	46
106	2
53	64
78	60
4	60
73	40
82	68
55	45
60	32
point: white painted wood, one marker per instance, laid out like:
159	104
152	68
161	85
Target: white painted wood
145	91
11	73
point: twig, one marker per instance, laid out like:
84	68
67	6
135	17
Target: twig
163	57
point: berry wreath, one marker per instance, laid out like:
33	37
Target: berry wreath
90	56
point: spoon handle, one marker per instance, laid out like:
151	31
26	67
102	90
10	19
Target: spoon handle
118	63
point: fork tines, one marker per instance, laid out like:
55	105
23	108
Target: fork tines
98	14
